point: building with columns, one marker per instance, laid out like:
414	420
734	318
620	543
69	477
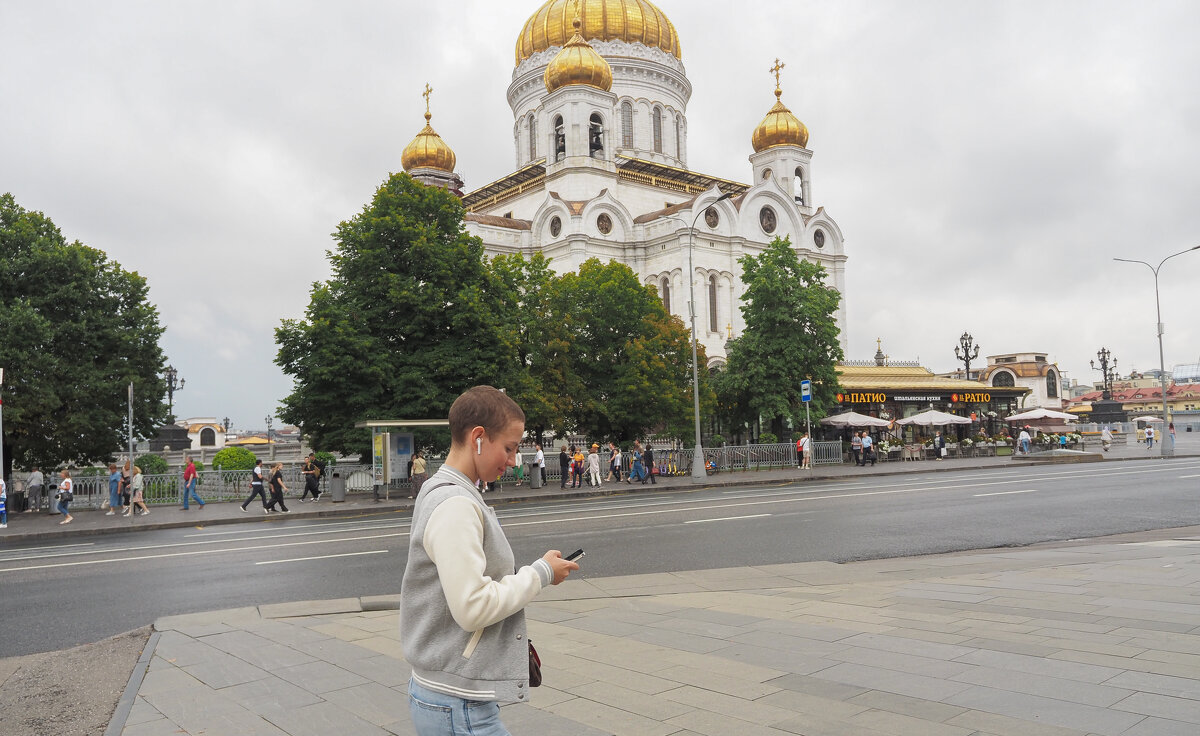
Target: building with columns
599	97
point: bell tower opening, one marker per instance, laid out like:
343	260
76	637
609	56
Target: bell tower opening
560	139
595	136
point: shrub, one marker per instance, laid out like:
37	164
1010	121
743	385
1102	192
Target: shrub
321	457
767	438
717	440
234	458
152	465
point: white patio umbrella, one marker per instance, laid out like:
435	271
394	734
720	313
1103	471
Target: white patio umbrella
854	419
933	418
1147	418
1042	413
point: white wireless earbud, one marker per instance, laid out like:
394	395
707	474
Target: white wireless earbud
478	445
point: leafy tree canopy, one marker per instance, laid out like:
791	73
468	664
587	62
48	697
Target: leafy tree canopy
791	335
234	458
75	330
409	319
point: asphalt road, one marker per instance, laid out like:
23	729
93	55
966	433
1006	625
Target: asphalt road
58	595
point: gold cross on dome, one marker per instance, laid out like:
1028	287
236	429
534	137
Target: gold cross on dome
425	94
775	70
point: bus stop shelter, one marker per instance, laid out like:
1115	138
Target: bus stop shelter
390	445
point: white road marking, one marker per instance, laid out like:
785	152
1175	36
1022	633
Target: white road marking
1189	476
726	518
1004	493
323	557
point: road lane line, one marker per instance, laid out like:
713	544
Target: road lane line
323	557
726	518
1189	476
1004	493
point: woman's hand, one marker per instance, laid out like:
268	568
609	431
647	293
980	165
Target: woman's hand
562	568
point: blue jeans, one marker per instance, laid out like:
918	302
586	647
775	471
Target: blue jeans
189	489
437	714
62	508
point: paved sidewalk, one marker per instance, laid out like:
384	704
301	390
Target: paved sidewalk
32	527
1064	639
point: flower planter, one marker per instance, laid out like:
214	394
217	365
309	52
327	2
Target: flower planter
1003	450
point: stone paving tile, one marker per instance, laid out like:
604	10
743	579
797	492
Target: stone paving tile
1002	725
901	683
1041	666
323	719
815	686
716	724
776	659
610	720
372	702
338	652
225	671
780	639
925	710
320	677
169	680
1055	687
718	682
916	665
522	719
342	631
142	712
904	725
1046	710
181	650
381	645
1161	727
193	709
1162	706
900	645
157	727
1137	664
1181	687
281	632
677	640
235	641
754	711
274	656
658	707
385	670
270	695
591	671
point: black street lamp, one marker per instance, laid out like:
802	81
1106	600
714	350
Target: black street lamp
225	424
174	383
1108	374
270	436
963	352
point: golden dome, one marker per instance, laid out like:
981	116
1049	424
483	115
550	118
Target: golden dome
578	63
633	21
780	127
427	150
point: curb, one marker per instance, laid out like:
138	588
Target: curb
125	704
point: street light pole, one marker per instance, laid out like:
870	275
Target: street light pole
270	441
1166	449
1	424
699	473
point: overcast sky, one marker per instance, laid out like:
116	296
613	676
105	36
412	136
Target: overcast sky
985	160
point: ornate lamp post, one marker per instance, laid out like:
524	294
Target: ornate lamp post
1167	448
270	435
963	352
225	424
1107	373
174	383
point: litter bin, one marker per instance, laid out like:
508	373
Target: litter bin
337	486
535	475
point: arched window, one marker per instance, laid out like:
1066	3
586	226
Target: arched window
666	293
627	124
678	138
595	136
798	186
1003	378
1051	385
656	123
532	137
560	139
712	304
208	437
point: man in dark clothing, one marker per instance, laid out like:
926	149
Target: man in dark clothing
564	467
650	470
312	476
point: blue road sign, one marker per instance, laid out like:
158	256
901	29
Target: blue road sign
806	390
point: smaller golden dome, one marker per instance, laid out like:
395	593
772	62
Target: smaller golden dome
578	63
779	128
427	151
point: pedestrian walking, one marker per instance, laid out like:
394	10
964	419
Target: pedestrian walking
539	459
868	449
256	486
278	487
1106	438
3	502
65	496
114	490
614	462
1024	439
136	489
939	445
462	596
35	484
564	468
189	484
577	461
637	469
1149	436
593	466
312	474
519	467
126	480
419	475
1171	433
856	446
651	471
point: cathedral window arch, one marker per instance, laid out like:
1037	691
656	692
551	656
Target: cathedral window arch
798	185
712	304
532	137
595	136
656	126
1003	378
678	138
208	437
1051	385
627	124
666	293
559	143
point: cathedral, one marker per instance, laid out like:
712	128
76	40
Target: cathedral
599	97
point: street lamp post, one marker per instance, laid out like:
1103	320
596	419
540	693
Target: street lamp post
270	441
1167	449
172	386
962	351
1	424
1107	373
698	470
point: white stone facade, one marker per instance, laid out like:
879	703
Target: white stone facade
632	198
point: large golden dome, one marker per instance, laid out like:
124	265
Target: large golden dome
634	21
578	63
427	151
779	128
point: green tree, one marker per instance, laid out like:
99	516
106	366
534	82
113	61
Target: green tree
75	330
630	358
545	383
409	319
791	335
234	458
152	465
